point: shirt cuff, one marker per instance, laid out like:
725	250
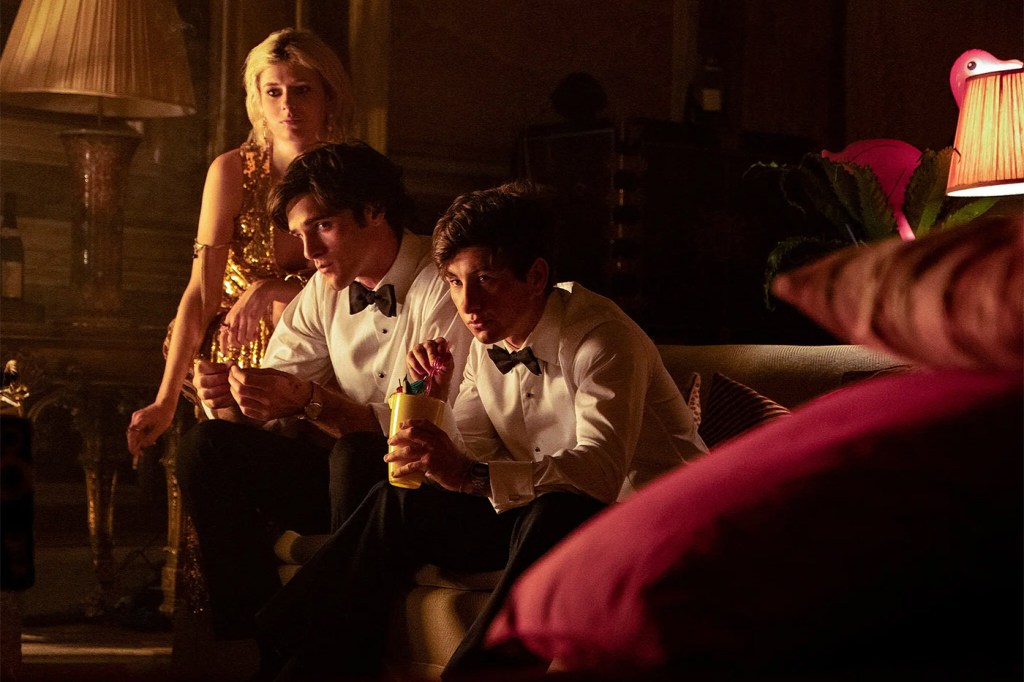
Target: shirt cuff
511	484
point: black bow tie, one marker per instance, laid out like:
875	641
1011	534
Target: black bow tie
359	297
505	361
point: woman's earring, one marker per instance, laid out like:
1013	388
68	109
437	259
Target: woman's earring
266	131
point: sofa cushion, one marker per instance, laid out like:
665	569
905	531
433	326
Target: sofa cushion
733	408
859	531
953	299
692	395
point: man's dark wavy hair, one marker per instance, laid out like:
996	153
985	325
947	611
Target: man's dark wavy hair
349	175
515	221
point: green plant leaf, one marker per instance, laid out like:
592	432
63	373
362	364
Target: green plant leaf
844	185
823	182
969	211
926	193
877	217
783	173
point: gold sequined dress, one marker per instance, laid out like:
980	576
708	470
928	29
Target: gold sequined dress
250	259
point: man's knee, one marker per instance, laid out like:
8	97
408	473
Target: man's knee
553	515
567	504
360	456
356	465
360	443
202	448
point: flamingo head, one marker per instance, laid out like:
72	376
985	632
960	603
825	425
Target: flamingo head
975	63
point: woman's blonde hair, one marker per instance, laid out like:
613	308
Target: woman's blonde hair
292	46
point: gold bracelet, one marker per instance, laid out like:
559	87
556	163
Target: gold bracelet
197	246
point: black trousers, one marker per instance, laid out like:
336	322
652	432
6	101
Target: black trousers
332	617
242	486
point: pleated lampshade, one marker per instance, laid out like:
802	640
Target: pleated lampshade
108	58
989	144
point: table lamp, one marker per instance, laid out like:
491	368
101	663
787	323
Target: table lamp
988	158
112	59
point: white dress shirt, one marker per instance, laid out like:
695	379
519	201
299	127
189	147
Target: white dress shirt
603	418
366	352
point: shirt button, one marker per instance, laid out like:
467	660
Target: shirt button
529	395
383	331
380	375
536	449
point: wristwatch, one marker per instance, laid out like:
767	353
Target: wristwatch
478	480
315	406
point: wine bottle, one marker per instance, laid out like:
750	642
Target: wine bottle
12	252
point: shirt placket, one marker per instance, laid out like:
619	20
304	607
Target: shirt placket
530	387
384	330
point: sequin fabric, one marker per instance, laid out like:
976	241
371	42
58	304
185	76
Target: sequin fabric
250	258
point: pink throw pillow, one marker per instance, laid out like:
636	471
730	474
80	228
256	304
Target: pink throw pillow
881	520
953	299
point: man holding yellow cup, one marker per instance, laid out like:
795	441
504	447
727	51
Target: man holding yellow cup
563	408
405	407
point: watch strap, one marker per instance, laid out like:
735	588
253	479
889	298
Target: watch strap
478	480
311	411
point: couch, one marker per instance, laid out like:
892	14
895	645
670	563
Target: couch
434	614
874	533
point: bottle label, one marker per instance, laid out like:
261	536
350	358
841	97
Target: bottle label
13	281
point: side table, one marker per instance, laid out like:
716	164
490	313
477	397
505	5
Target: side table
98	373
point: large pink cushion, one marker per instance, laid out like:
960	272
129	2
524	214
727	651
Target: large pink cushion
954	299
882	520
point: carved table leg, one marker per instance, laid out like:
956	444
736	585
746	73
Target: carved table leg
169	576
99	460
99	490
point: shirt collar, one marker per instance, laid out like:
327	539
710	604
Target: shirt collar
406	266
545	337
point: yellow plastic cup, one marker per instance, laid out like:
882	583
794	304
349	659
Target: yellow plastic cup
406	406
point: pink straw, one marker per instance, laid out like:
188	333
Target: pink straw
435	367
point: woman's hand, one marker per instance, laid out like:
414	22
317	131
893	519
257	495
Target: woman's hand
420	445
146	426
242	323
432	359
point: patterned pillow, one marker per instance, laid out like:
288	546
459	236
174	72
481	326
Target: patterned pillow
692	395
734	408
953	299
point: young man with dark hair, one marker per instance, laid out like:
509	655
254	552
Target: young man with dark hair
564	407
337	352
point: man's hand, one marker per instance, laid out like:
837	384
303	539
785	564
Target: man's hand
420	445
432	359
211	382
265	394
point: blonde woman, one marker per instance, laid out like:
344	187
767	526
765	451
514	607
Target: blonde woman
243	271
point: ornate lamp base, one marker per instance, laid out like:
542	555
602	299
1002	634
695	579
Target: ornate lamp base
99	161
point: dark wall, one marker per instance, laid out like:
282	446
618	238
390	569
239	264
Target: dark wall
467	78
